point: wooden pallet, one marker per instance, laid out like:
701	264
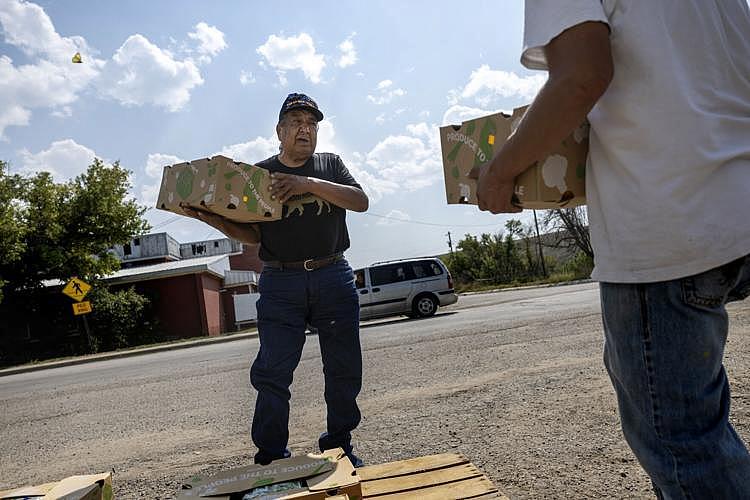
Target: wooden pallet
446	476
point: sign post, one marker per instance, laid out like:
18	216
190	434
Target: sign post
77	289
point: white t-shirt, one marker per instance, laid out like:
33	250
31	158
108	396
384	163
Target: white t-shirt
668	174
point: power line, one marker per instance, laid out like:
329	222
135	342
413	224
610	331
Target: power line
167	221
389	217
410	221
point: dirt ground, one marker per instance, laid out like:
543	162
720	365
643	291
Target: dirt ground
528	402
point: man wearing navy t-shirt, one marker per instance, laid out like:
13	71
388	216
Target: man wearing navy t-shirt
305	281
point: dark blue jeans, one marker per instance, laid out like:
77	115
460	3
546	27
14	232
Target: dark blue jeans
664	344
327	300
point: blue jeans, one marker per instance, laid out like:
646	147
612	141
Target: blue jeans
664	344
327	300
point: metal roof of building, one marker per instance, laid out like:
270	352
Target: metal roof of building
214	264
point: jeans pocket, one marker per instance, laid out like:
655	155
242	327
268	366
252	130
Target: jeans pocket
742	290
713	288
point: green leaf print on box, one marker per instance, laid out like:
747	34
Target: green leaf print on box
250	192
185	183
454	152
488	129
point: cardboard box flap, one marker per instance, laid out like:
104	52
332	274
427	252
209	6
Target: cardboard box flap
83	487
28	491
75	487
343	474
255	476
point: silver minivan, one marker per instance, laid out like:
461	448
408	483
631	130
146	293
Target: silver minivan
414	287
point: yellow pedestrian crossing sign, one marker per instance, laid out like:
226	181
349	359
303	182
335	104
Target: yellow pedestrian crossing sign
76	289
82	307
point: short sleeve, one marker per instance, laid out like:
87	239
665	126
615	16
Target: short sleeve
546	19
342	174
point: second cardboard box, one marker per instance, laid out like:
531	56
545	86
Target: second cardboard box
557	182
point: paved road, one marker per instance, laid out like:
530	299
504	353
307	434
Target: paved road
513	380
512	306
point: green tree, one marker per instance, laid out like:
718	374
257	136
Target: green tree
64	230
12	242
514	268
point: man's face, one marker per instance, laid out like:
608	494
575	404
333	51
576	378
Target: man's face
298	133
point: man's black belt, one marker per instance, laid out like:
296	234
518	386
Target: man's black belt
307	265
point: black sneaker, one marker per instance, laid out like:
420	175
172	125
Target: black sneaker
265	458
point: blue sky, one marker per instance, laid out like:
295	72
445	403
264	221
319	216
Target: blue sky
168	81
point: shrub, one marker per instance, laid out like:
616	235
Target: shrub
120	319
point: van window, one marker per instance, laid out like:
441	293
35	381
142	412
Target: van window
426	269
391	273
359	278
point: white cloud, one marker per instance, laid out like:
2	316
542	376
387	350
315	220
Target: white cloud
369	178
138	73
380	119
28	27
485	85
348	52
282	78
246	77
64	159
210	41
404	162
457	114
384	94
142	73
252	151
394	217
293	53
155	164
410	161
63	112
50	80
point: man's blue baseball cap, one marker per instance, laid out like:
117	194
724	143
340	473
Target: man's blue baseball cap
300	101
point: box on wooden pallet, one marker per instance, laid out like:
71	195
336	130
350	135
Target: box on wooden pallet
324	476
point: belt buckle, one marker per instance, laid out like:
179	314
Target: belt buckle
304	265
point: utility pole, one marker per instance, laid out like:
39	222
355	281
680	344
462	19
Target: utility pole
450	242
539	245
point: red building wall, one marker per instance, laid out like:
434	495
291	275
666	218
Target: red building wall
248	260
214	321
187	306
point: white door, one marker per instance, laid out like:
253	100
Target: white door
390	289
244	307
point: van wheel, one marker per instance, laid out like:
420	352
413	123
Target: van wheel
424	306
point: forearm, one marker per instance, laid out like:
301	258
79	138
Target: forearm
559	108
348	197
580	70
244	232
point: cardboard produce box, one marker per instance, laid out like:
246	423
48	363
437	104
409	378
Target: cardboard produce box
88	487
557	182
234	190
317	476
